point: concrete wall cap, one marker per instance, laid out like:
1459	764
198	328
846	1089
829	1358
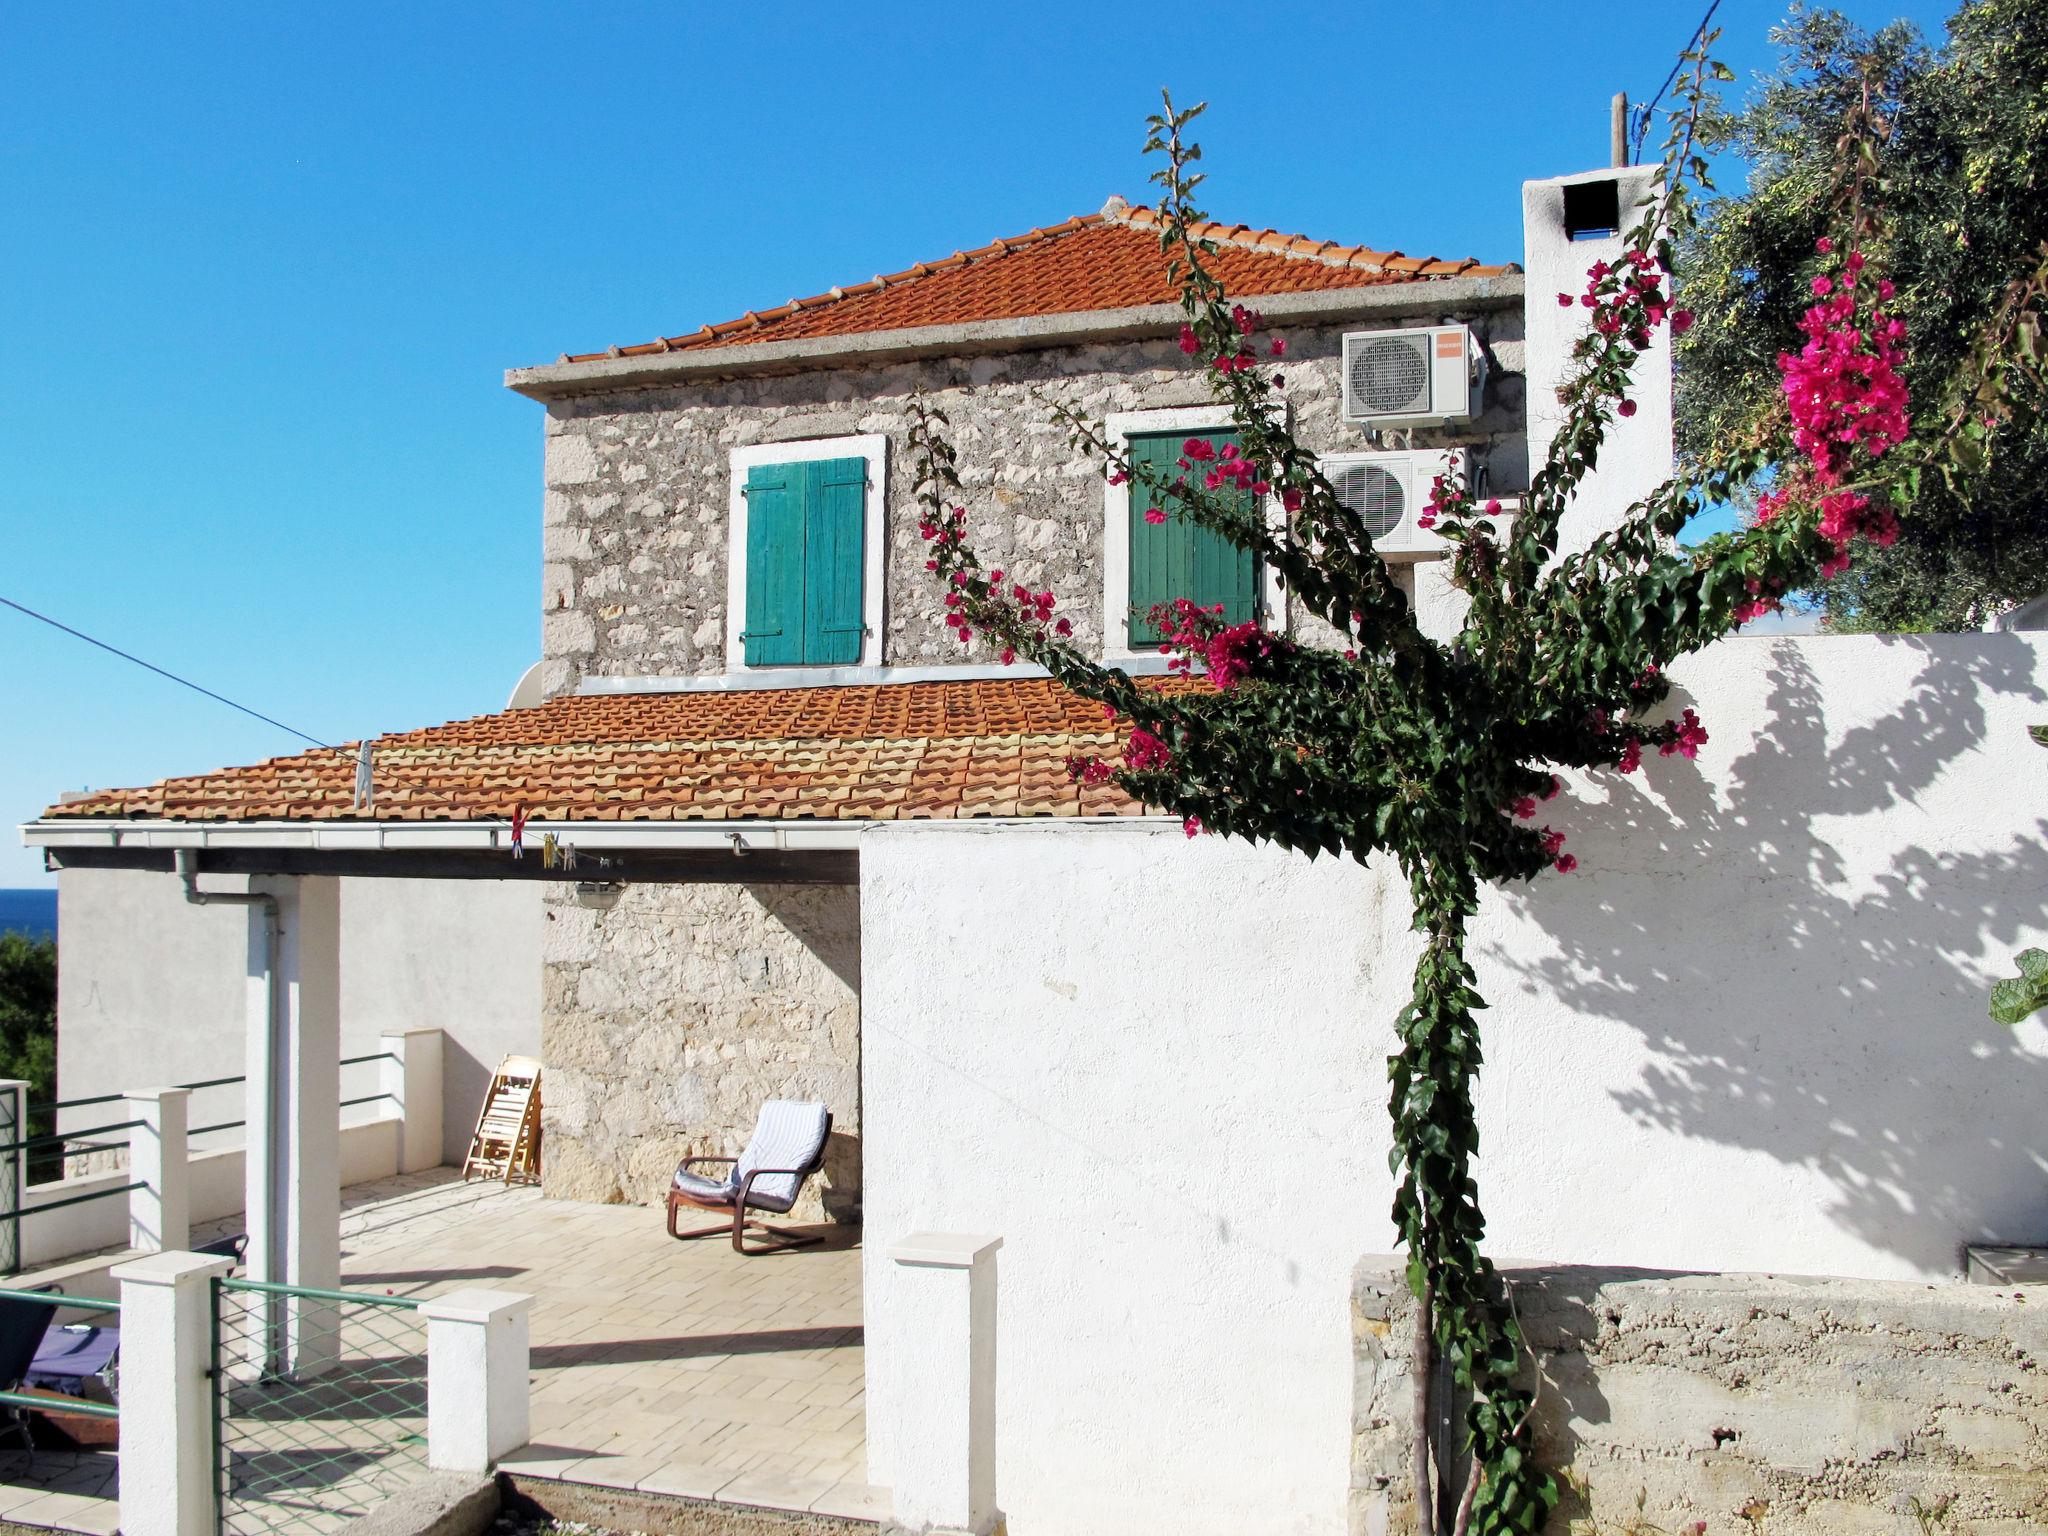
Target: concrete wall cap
476	1306
944	1250
170	1268
158	1094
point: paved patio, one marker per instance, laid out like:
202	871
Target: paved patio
676	1368
671	1368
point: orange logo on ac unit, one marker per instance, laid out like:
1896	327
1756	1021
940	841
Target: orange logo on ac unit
1450	344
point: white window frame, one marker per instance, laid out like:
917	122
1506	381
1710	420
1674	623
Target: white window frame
873	447
1120	427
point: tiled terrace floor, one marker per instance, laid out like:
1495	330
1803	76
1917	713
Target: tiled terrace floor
674	1368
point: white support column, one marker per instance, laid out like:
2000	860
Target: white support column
167	1471
294	1096
477	1382
159	1165
13	1170
944	1474
413	1080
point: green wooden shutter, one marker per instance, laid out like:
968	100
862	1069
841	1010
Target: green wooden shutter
1176	558
774	632
836	511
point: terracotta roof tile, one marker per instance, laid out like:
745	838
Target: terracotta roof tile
988	747
1106	260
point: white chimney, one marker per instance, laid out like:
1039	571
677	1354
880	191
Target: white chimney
1567	225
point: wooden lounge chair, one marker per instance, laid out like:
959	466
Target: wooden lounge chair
787	1147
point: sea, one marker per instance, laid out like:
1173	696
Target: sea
31	911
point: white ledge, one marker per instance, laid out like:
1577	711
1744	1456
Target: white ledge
944	1250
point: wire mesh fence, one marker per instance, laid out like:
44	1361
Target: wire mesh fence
320	1404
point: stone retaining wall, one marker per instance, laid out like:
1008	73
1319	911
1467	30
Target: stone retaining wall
1762	1405
667	1021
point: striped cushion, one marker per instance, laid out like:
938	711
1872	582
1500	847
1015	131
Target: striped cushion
788	1135
697	1187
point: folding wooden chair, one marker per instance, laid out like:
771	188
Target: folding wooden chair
507	1140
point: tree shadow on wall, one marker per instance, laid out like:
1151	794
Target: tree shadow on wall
1830	998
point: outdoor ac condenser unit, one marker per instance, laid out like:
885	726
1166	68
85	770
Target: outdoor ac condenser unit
1408	377
1389	490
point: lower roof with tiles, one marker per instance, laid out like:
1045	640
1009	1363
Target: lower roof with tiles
986	747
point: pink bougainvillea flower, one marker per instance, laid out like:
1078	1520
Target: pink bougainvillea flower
1278	348
1823	245
1525	808
1155	516
1188	341
1146	752
1192	826
1631	756
1626	407
1566	863
1681	321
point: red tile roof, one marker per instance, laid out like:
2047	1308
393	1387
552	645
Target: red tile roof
1098	261
991	747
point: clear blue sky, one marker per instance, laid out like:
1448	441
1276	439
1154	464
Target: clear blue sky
264	265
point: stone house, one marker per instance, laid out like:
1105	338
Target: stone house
783	836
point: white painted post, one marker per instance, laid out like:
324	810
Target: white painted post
13	1171
477	1383
945	1473
294	1095
413	1080
159	1166
167	1471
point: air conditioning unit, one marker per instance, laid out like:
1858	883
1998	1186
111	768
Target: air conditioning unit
1388	492
1407	378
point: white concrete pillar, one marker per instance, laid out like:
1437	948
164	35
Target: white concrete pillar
1637	456
943	1476
294	1095
477	1378
167	1470
411	1075
13	1170
159	1166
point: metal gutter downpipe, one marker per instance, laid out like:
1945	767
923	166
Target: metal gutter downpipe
275	1085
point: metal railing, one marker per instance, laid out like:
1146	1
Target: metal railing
20	1152
319	1404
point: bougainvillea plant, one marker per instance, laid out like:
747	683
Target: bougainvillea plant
1447	757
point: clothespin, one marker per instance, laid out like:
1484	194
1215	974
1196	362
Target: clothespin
365	777
550	850
568	855
518	834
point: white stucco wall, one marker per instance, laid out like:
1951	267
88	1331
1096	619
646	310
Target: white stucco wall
1749	1034
150	987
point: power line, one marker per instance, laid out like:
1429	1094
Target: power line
1645	112
184	682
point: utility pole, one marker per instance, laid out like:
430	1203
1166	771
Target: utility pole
1619	129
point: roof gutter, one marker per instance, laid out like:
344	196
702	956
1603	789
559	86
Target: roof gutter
1384	301
153	834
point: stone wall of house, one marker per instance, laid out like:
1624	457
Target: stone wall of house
635	538
1749	1402
668	1019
